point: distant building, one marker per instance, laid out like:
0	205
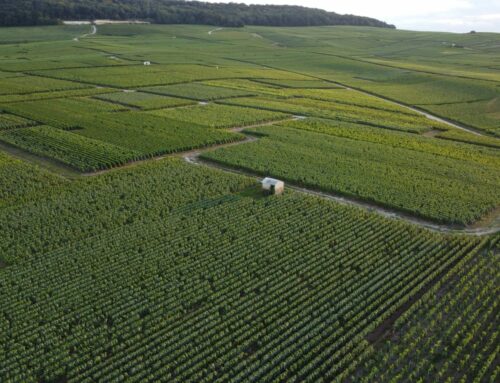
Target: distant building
147	63
273	186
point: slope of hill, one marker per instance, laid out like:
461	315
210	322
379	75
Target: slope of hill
137	246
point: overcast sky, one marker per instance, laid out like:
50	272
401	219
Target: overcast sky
423	15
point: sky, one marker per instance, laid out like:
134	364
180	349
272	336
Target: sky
421	15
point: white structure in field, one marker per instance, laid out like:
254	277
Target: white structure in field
273	186
147	63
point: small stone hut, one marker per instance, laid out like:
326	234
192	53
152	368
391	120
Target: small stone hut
273	186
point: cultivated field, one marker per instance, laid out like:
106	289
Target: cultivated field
137	246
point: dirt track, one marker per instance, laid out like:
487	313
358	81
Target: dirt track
193	157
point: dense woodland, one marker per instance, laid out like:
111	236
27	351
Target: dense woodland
42	12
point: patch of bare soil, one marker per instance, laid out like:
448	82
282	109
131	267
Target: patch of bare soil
492	219
432	133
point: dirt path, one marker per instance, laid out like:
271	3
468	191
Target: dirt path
490	224
93	31
432	133
492	227
367	93
423	113
214	30
67	172
412	108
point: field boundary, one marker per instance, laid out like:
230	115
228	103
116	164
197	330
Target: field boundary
418	110
401	68
486	225
387	212
489	222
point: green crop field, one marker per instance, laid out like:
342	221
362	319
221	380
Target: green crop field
137	244
343	111
446	183
221	116
198	91
466	342
143	100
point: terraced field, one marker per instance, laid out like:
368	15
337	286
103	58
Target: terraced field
122	261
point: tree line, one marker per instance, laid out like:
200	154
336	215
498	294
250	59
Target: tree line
47	12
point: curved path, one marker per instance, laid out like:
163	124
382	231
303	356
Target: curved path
417	110
376	95
193	157
485	227
214	30
93	31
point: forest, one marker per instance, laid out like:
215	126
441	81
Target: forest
49	12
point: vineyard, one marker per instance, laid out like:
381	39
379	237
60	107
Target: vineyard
198	91
221	116
23	182
80	152
138	75
143	100
93	134
9	121
448	183
32	84
136	243
344	112
463	313
201	303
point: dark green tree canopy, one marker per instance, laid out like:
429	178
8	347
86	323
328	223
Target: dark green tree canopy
40	12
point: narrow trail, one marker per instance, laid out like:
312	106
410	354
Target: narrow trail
93	31
193	157
214	30
417	110
486	226
367	93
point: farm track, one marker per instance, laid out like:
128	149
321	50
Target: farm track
402	68
488	225
392	101
193	157
65	171
210	33
93	31
423	112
